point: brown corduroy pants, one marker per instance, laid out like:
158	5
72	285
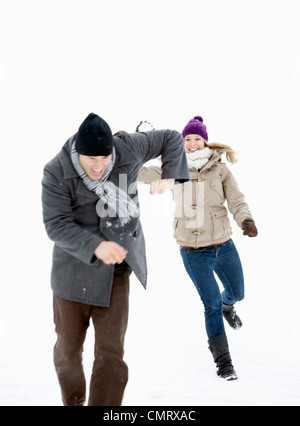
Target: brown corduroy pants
110	372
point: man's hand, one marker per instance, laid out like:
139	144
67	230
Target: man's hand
161	186
110	253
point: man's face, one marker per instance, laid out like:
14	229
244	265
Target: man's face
94	167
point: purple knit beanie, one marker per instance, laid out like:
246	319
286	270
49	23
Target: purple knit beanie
195	127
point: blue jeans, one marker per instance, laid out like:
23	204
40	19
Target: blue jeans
201	264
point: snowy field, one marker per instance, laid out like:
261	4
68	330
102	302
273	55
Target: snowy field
166	347
236	65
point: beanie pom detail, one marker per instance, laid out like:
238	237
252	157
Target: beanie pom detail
198	118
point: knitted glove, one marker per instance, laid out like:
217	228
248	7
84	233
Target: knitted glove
249	228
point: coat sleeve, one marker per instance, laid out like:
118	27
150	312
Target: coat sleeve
149	174
168	144
235	198
59	223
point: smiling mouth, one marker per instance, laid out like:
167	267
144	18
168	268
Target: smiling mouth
97	172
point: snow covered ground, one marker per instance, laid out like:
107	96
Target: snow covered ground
166	347
238	66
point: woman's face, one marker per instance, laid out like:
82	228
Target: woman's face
193	143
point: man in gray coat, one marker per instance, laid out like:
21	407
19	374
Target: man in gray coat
91	212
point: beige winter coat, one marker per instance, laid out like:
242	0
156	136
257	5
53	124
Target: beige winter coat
200	217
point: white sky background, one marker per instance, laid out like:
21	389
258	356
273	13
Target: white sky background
236	63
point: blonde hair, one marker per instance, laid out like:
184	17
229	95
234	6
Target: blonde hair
231	155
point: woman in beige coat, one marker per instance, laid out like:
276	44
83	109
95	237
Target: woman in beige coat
202	229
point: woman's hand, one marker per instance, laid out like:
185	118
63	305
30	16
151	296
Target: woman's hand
249	228
161	186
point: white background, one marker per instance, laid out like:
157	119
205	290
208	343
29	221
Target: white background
236	63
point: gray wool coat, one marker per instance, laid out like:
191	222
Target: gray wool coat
71	220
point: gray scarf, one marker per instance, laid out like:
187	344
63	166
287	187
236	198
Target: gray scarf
113	201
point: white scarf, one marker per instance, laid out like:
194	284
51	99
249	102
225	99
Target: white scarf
198	159
118	201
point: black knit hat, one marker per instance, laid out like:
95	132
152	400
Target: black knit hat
94	137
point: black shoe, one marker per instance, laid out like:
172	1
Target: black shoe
231	317
219	348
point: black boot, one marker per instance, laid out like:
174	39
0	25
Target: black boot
231	317
219	348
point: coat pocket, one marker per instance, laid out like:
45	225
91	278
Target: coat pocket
221	224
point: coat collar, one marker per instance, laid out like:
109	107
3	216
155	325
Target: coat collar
215	158
65	159
70	172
